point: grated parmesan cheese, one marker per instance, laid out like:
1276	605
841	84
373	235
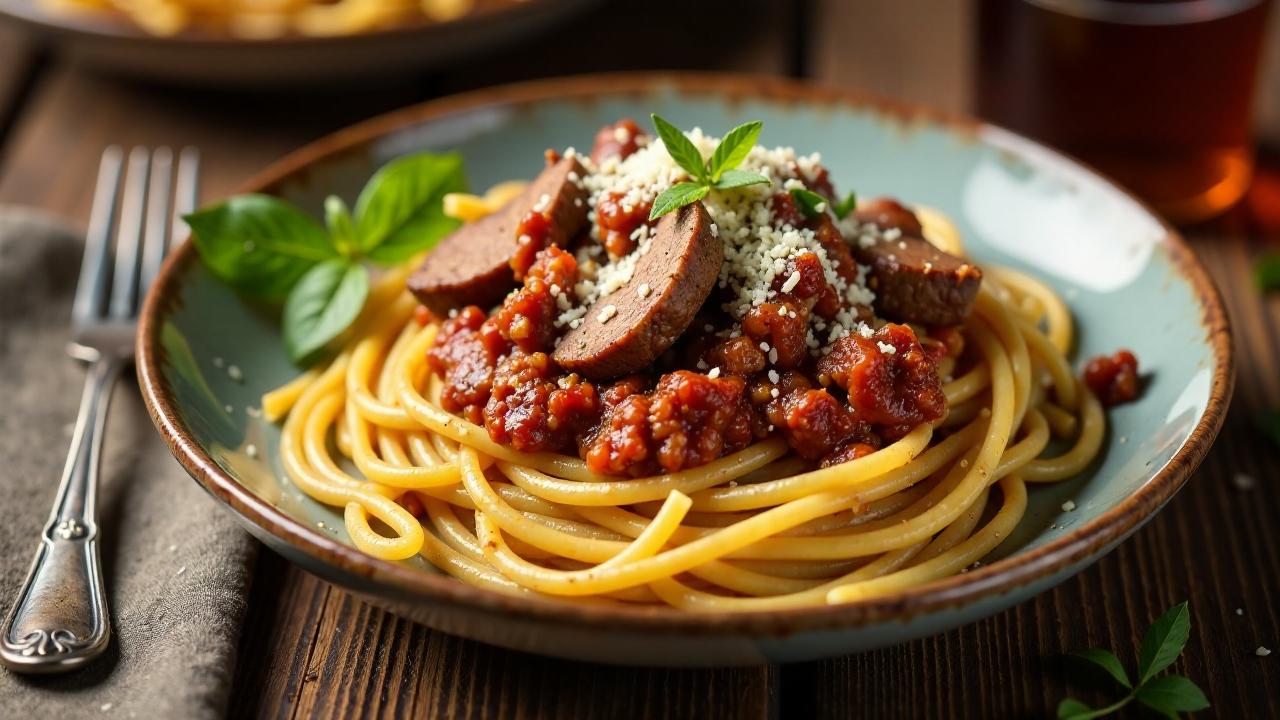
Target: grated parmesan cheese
791	282
757	245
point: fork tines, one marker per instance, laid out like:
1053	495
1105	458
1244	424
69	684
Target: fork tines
140	209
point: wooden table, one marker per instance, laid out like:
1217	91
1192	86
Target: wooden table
310	649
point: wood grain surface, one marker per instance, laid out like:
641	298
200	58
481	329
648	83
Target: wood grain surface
311	650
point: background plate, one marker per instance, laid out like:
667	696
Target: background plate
205	58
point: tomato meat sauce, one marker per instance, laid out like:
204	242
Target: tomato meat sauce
725	384
1113	378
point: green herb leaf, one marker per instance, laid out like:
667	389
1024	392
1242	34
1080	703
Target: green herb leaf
1266	272
733	148
1107	661
739	178
680	148
846	206
323	304
341	230
1072	709
1164	642
1172	694
810	203
259	244
400	211
677	196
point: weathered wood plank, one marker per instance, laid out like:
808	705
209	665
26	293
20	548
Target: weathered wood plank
70	116
911	50
314	651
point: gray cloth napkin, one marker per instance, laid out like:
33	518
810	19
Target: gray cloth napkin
177	568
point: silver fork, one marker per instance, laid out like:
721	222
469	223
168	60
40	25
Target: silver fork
59	620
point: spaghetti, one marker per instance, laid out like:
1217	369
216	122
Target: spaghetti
755	529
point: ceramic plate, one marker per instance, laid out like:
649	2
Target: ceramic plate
1127	276
194	56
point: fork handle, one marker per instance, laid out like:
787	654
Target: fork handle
59	620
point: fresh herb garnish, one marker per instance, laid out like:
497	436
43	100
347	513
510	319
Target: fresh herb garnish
1167	694
718	173
814	205
1266	272
810	203
846	206
266	248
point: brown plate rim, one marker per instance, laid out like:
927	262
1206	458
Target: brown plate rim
1000	577
121	29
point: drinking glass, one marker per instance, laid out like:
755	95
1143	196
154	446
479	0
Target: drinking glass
1158	94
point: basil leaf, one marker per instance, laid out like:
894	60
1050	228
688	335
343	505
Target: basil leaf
810	203
1266	272
681	149
323	304
400	212
259	244
846	206
1107	661
1172	694
1164	642
739	178
677	196
1072	709
733	148
341	230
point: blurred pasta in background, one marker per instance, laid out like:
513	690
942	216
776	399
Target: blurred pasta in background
269	18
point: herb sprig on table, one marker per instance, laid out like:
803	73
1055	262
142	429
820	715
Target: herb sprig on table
719	172
1166	694
268	249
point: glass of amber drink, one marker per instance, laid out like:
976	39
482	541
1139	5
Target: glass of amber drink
1158	94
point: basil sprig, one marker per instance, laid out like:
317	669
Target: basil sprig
813	204
717	173
270	250
1168	695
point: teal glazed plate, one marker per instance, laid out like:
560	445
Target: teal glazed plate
1127	276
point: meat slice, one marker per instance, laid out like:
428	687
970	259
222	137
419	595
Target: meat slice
889	213
473	266
630	327
918	283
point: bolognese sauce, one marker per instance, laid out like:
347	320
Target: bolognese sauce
1113	378
783	342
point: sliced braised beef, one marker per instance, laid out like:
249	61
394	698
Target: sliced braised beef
918	283
480	262
629	328
913	280
889	214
